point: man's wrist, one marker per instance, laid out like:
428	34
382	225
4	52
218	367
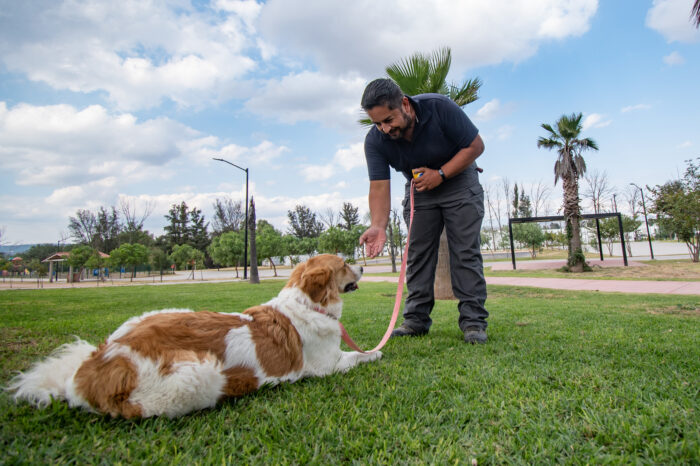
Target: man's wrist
442	174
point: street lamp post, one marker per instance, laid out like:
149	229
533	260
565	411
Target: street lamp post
245	233
646	221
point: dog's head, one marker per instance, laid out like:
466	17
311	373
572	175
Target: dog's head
322	278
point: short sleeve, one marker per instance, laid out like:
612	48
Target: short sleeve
377	164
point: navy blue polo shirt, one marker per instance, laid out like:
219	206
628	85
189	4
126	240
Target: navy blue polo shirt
442	130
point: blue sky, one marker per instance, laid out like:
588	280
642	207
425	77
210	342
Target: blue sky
109	102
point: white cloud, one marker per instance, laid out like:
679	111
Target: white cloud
345	159
674	58
311	96
684	145
594	120
504	132
373	34
139	53
632	108
262	154
489	110
46	145
85	158
671	18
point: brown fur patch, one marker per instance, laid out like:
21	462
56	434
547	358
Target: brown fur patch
239	381
277	342
177	336
107	384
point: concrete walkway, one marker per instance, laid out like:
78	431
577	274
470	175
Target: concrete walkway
615	286
576	284
218	276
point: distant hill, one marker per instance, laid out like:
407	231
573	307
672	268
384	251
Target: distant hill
14	249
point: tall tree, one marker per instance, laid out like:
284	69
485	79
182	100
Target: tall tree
569	166
132	228
130	255
107	230
254	277
269	243
349	216
186	226
198	235
228	215
539	194
303	223
329	217
420	74
597	189
177	230
677	205
227	249
82	227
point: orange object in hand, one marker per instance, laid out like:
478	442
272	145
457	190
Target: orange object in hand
416	174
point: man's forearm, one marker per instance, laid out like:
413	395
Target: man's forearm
380	203
464	158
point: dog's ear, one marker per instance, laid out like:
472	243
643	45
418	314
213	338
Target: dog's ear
295	277
315	282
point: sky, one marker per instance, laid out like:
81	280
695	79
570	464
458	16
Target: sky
103	102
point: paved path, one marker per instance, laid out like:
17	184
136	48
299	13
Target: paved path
620	286
577	284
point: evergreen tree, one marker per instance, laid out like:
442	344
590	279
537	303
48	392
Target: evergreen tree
303	223
349	216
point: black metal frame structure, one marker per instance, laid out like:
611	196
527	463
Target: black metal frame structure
597	218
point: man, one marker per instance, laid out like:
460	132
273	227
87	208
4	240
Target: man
431	136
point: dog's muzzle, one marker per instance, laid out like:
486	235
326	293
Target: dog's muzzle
352	286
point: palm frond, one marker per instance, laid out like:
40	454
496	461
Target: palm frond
549	128
465	94
439	65
590	143
411	74
548	143
366	122
695	13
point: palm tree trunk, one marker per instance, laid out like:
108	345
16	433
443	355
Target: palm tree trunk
443	281
572	214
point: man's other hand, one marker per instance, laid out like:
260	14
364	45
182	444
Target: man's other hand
373	239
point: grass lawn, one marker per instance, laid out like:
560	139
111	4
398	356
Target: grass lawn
566	377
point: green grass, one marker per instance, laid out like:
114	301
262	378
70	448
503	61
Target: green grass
566	377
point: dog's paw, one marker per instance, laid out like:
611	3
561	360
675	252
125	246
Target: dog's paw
377	355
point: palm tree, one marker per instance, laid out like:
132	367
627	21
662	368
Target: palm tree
422	74
695	13
569	167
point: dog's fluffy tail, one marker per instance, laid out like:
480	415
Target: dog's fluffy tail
50	379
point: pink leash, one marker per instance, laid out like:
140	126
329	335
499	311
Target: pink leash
399	294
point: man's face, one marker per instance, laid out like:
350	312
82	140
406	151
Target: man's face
394	123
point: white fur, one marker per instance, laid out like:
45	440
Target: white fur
196	384
49	379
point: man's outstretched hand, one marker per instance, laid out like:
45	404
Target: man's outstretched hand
373	239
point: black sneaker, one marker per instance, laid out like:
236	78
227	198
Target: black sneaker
475	335
404	331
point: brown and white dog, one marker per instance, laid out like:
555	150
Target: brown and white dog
174	361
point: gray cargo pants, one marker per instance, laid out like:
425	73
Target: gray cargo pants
458	207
